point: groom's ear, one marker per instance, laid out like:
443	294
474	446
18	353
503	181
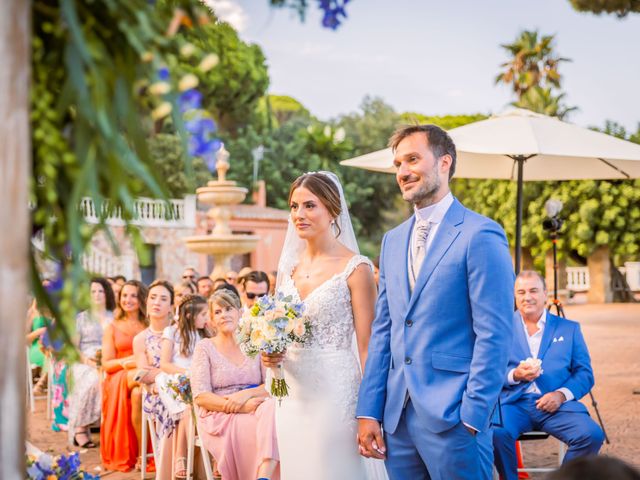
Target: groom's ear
445	163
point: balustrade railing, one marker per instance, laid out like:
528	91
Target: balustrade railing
578	279
147	212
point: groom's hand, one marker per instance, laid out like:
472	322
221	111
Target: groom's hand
370	439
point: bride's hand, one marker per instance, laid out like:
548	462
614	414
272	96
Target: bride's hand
370	441
272	360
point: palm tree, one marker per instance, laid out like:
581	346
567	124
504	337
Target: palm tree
533	63
542	100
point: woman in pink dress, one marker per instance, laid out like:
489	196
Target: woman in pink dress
235	415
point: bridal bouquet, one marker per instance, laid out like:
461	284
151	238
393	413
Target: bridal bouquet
181	389
270	326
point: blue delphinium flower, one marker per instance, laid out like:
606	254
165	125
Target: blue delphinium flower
333	10
190	100
163	74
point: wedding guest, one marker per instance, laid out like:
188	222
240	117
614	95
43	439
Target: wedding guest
37	323
273	276
235	417
376	268
146	349
255	285
189	274
205	286
183	289
85	399
121	395
549	371
232	277
178	343
116	283
217	282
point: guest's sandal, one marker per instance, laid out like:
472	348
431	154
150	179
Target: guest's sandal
180	468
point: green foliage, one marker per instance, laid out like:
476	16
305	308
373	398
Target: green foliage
619	7
446	122
233	89
90	124
169	160
543	100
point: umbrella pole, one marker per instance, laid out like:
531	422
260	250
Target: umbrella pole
520	159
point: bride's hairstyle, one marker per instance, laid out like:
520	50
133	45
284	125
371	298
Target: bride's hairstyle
322	187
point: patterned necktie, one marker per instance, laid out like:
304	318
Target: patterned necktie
421	235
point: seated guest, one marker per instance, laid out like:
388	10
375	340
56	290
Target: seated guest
235	416
146	348
178	342
255	285
37	321
205	286
182	290
116	284
121	397
544	396
190	275
217	282
273	280
231	277
85	400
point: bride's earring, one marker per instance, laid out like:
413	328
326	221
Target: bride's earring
334	228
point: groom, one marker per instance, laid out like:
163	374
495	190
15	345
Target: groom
440	339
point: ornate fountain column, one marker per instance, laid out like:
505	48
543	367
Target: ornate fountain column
221	243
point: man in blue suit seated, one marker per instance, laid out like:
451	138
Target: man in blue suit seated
549	371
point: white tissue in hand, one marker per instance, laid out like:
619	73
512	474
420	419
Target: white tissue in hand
532	362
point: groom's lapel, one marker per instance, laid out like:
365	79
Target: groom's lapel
445	235
401	252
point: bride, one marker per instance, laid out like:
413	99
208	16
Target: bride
320	265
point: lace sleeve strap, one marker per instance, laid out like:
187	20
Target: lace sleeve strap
354	263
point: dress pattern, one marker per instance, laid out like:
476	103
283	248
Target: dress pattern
151	403
85	400
316	423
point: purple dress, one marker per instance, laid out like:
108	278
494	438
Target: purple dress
239	442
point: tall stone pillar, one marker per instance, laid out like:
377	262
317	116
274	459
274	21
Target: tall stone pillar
600	276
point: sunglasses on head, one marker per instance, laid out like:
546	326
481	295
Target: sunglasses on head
188	276
251	295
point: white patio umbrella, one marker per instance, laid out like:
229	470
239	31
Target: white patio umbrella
525	146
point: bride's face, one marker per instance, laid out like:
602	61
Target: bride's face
225	318
309	215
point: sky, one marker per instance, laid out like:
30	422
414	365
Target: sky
441	57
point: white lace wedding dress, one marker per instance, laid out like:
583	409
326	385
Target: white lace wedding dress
315	424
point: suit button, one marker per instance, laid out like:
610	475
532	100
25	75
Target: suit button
407	361
409	323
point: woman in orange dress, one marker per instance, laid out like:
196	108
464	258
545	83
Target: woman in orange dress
120	428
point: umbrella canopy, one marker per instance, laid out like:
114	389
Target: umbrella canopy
525	146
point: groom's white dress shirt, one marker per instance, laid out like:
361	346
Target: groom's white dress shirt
534	342
433	215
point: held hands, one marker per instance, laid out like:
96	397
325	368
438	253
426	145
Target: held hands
370	441
272	360
550	402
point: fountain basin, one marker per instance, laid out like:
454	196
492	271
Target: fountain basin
221	194
231	244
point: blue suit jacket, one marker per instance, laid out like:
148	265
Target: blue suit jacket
565	361
447	343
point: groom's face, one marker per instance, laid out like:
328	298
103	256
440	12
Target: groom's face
418	170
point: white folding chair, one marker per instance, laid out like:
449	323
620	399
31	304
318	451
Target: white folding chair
192	442
148	427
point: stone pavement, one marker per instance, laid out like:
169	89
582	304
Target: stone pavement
612	333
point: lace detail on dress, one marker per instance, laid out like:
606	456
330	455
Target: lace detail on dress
329	308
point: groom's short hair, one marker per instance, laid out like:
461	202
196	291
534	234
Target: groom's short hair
438	140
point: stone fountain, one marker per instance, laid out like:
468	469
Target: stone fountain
221	243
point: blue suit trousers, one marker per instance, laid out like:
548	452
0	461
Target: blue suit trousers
576	429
